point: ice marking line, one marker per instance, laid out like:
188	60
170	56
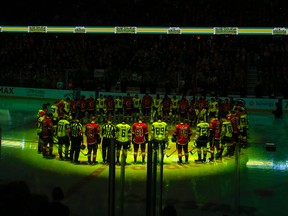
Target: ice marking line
77	186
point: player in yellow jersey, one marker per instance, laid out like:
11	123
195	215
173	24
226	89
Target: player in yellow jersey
63	131
118	109
202	139
175	109
136	107
100	108
227	136
243	128
213	109
156	108
159	136
123	140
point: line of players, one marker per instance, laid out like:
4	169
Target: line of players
131	107
220	133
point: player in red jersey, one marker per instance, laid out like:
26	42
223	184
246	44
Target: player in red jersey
192	112
139	138
183	107
92	133
110	107
147	102
91	105
60	105
47	136
232	117
225	108
82	107
214	138
181	136
166	107
73	108
128	107
40	116
136	107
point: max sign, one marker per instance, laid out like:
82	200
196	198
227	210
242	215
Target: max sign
6	90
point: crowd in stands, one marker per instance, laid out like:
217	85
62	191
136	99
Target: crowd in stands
17	199
183	63
146	13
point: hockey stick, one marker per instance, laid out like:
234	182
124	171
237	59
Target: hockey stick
171	153
191	151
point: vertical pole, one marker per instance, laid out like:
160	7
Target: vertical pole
237	181
149	181
122	180
161	177
154	179
0	141
111	189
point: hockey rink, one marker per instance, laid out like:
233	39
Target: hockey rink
252	183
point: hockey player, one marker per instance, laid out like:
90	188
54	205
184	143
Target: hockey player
123	139
159	137
202	139
147	102
139	138
201	109
92	133
243	128
156	108
214	138
181	135
213	109
63	130
166	108
175	109
136	107
128	107
82	105
183	107
100	108
110	107
47	136
91	105
40	117
118	108
233	118
192	112
227	137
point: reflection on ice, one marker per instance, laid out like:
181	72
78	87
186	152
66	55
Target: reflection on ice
5	117
275	165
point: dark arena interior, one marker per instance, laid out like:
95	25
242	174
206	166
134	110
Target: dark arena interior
190	96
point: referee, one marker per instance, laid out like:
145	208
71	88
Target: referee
108	135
